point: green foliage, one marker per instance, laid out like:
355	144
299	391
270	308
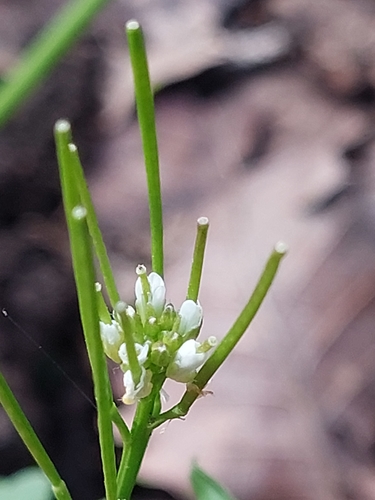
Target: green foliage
30	484
43	53
31	440
205	487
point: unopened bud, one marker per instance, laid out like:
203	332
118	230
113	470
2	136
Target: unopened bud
172	340
160	355
186	362
112	337
168	318
151	328
191	315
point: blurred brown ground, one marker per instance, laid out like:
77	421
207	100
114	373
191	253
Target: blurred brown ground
266	125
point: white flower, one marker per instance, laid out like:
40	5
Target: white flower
141	350
143	389
191	315
112	337
155	297
186	362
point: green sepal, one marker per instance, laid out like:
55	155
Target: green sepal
168	318
160	355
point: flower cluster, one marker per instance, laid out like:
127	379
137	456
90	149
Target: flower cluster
154	338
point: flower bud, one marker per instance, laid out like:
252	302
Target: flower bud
186	362
151	328
168	318
172	340
191	315
150	294
160	355
112	337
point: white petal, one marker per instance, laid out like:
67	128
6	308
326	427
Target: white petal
141	350
156	281
130	311
188	357
110	334
186	362
129	388
143	389
158	292
123	354
138	289
191	315
141	301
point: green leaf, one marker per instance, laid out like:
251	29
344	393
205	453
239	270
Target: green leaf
31	440
205	487
40	57
28	483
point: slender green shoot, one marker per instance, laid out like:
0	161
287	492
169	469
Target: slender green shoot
140	435
227	344
133	454
198	256
121	425
25	430
146	118
103	311
96	235
41	56
71	196
84	274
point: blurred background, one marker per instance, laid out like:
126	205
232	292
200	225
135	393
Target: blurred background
266	124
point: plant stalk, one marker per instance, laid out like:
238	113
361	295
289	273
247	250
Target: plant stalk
31	440
84	274
198	256
95	233
146	118
140	435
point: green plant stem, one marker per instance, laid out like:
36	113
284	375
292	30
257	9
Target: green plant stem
71	196
31	440
84	274
121	425
227	344
104	314
95	233
140	435
43	54
146	117
198	256
85	281
132	459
